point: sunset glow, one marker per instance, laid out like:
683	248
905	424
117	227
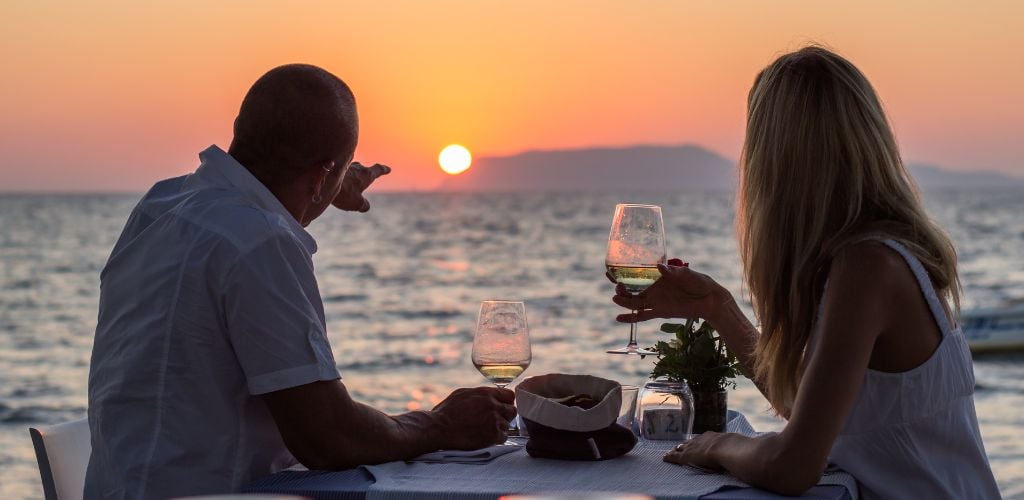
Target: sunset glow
454	159
132	95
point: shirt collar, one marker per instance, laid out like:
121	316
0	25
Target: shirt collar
216	160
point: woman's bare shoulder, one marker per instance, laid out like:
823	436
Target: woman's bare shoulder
870	270
872	259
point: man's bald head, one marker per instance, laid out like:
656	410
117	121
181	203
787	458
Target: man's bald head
293	118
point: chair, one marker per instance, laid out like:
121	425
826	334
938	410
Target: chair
62	451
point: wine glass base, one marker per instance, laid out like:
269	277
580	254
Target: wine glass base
631	349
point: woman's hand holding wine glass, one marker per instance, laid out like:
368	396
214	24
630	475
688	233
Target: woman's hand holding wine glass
679	292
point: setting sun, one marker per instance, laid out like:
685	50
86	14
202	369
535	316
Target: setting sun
454	159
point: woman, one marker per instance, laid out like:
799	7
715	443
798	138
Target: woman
855	289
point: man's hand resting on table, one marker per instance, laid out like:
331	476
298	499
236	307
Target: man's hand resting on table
326	429
473	419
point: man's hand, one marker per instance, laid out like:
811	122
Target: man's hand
475	418
356	180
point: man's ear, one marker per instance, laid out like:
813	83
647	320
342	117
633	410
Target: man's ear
321	172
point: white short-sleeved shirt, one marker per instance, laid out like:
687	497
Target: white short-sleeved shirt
207	301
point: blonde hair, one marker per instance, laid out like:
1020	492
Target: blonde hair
820	170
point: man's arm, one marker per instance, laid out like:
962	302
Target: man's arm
325	429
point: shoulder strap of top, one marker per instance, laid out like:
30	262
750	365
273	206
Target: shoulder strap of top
925	283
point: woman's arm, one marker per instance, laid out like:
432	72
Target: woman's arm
863	286
741	337
684	293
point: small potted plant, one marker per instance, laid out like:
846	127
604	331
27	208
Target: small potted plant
697	355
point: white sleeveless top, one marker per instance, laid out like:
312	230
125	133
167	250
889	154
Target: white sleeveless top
915	434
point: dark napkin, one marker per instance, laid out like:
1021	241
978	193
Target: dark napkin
547	442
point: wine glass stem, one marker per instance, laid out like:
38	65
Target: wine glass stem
513	429
632	329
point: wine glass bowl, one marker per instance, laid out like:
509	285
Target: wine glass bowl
501	345
636	246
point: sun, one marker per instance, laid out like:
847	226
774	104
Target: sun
454	159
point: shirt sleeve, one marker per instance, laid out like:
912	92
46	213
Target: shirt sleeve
275	319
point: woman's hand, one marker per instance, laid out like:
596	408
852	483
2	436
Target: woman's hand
680	293
698	451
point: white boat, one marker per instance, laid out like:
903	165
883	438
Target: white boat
991	330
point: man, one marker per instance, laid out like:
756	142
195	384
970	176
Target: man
211	366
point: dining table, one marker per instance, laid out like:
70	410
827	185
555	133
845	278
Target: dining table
514	471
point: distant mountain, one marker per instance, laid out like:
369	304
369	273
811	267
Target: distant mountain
650	168
932	177
637	168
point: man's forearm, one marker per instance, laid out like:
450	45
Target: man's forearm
326	429
373	437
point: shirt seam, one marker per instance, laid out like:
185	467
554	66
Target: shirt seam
242	253
162	379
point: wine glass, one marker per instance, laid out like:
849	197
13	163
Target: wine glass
501	346
636	245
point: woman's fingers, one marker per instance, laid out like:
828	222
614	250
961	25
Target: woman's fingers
628	301
678	455
640	316
675	458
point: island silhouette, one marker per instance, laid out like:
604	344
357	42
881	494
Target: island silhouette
653	168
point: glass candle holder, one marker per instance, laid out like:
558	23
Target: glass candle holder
665	411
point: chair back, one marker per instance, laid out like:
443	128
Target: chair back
62	451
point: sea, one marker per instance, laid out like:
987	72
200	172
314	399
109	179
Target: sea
402	285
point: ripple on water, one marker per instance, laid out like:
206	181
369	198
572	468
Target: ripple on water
40	414
346	297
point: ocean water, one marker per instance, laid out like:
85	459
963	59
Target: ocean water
402	285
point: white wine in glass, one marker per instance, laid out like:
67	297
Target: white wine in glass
635	278
501	375
636	245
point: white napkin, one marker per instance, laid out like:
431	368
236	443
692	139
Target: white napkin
468	456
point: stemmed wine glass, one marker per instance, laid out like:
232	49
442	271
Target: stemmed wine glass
636	245
501	346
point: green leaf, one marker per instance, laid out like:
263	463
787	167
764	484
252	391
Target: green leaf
696	354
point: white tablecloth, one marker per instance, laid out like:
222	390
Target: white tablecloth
641	471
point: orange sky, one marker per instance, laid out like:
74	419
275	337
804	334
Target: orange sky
118	94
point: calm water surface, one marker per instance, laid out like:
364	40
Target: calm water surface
402	285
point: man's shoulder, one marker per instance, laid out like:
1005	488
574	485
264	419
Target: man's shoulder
240	221
163	196
218	210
